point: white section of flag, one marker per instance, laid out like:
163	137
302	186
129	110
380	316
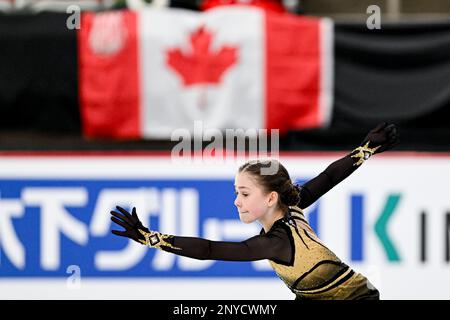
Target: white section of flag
327	74
236	102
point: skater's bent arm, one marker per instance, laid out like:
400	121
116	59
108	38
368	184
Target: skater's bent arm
381	138
330	177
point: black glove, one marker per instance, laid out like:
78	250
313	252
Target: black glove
383	136
130	222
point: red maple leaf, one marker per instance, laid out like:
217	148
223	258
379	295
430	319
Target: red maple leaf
201	65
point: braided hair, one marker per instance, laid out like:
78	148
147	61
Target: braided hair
278	181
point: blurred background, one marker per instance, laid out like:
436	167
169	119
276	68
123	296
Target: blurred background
105	102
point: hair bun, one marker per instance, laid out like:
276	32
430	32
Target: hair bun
292	196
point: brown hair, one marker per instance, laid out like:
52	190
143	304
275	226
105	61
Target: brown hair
279	181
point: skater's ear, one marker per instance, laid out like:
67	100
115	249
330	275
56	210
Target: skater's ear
272	198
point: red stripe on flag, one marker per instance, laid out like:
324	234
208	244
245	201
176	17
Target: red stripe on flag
292	72
272	5
108	75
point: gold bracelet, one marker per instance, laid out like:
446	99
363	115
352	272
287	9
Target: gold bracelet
363	153
154	239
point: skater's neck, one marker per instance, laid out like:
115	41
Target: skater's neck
269	219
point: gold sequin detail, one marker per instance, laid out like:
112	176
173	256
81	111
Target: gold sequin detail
363	153
154	239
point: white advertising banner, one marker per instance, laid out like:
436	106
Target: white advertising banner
390	220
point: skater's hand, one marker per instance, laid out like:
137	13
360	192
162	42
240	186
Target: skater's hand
130	222
383	136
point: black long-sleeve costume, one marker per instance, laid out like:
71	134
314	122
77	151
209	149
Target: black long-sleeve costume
308	267
273	245
299	258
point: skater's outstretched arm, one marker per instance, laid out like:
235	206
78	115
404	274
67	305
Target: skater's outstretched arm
274	245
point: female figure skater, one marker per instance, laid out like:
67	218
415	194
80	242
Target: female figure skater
300	259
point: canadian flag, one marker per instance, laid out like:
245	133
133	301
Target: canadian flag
144	74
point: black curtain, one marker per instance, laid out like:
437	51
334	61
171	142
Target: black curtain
38	74
400	74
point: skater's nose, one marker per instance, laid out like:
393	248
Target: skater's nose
237	202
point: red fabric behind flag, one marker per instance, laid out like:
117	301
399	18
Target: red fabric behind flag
108	75
292	72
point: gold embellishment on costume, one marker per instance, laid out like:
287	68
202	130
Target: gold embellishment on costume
363	153
317	273
347	274
154	239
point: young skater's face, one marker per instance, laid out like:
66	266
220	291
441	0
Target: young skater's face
251	200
